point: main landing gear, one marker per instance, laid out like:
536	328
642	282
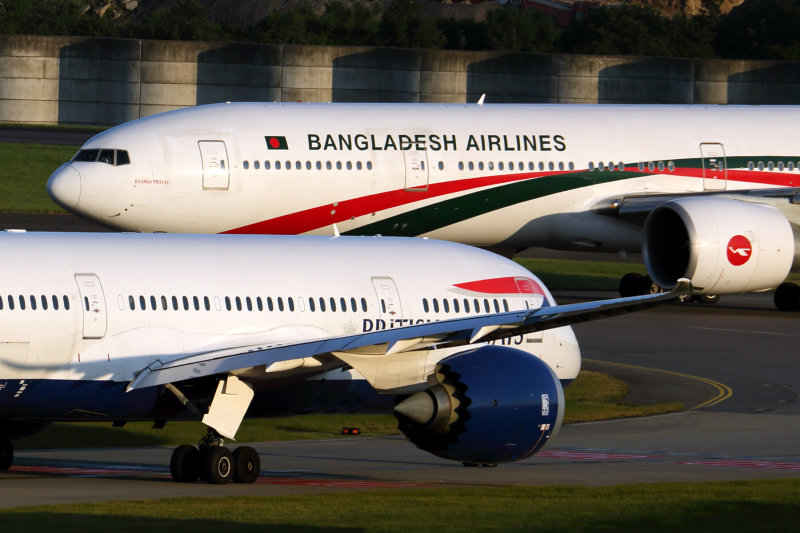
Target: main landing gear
787	297
6	454
211	461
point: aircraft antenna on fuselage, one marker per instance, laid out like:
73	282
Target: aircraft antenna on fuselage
481	99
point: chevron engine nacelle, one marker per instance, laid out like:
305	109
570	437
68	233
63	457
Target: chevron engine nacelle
722	245
488	405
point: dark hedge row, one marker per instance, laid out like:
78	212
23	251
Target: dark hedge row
758	29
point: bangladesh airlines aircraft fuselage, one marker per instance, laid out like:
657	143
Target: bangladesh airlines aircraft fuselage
576	177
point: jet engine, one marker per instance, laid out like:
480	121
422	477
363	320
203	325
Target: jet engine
722	245
488	405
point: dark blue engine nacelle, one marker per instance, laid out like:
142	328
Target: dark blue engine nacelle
489	405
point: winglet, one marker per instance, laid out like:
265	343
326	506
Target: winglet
481	99
335	230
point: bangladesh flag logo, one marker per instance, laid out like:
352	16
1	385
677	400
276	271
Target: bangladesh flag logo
276	142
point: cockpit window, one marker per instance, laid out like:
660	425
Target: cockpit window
107	157
104	155
86	155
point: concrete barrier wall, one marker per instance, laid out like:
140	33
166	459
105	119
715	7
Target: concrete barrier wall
73	80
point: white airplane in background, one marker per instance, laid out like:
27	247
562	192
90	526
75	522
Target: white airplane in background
706	193
119	327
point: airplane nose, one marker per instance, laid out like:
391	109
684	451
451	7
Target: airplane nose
64	186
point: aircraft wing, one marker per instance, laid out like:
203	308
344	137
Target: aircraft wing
637	207
444	333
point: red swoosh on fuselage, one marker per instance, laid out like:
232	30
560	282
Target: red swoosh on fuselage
318	217
507	285
326	215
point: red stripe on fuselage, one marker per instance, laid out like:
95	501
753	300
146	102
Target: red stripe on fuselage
326	215
507	285
318	217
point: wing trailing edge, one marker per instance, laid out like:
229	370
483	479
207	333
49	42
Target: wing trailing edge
371	351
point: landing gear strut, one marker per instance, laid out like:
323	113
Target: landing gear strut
6	454
213	462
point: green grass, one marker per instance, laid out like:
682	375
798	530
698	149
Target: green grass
593	396
576	274
51	127
766	506
572	274
597	396
24	174
304	427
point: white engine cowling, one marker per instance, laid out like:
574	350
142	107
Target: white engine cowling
723	245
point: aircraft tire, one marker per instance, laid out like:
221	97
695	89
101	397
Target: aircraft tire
787	297
707	298
185	464
218	465
6	454
631	284
246	465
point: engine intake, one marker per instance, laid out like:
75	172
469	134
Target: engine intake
488	405
722	245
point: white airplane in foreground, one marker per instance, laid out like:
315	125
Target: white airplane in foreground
706	193
119	327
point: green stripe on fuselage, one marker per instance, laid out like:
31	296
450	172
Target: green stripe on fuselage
441	214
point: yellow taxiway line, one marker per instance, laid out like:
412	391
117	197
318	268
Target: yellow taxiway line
723	391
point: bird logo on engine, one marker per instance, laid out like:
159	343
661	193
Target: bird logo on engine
739	250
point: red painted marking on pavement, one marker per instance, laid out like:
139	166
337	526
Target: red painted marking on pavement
770	465
75	471
307	482
334	483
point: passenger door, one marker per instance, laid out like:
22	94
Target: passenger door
216	167
388	298
93	304
416	162
715	173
